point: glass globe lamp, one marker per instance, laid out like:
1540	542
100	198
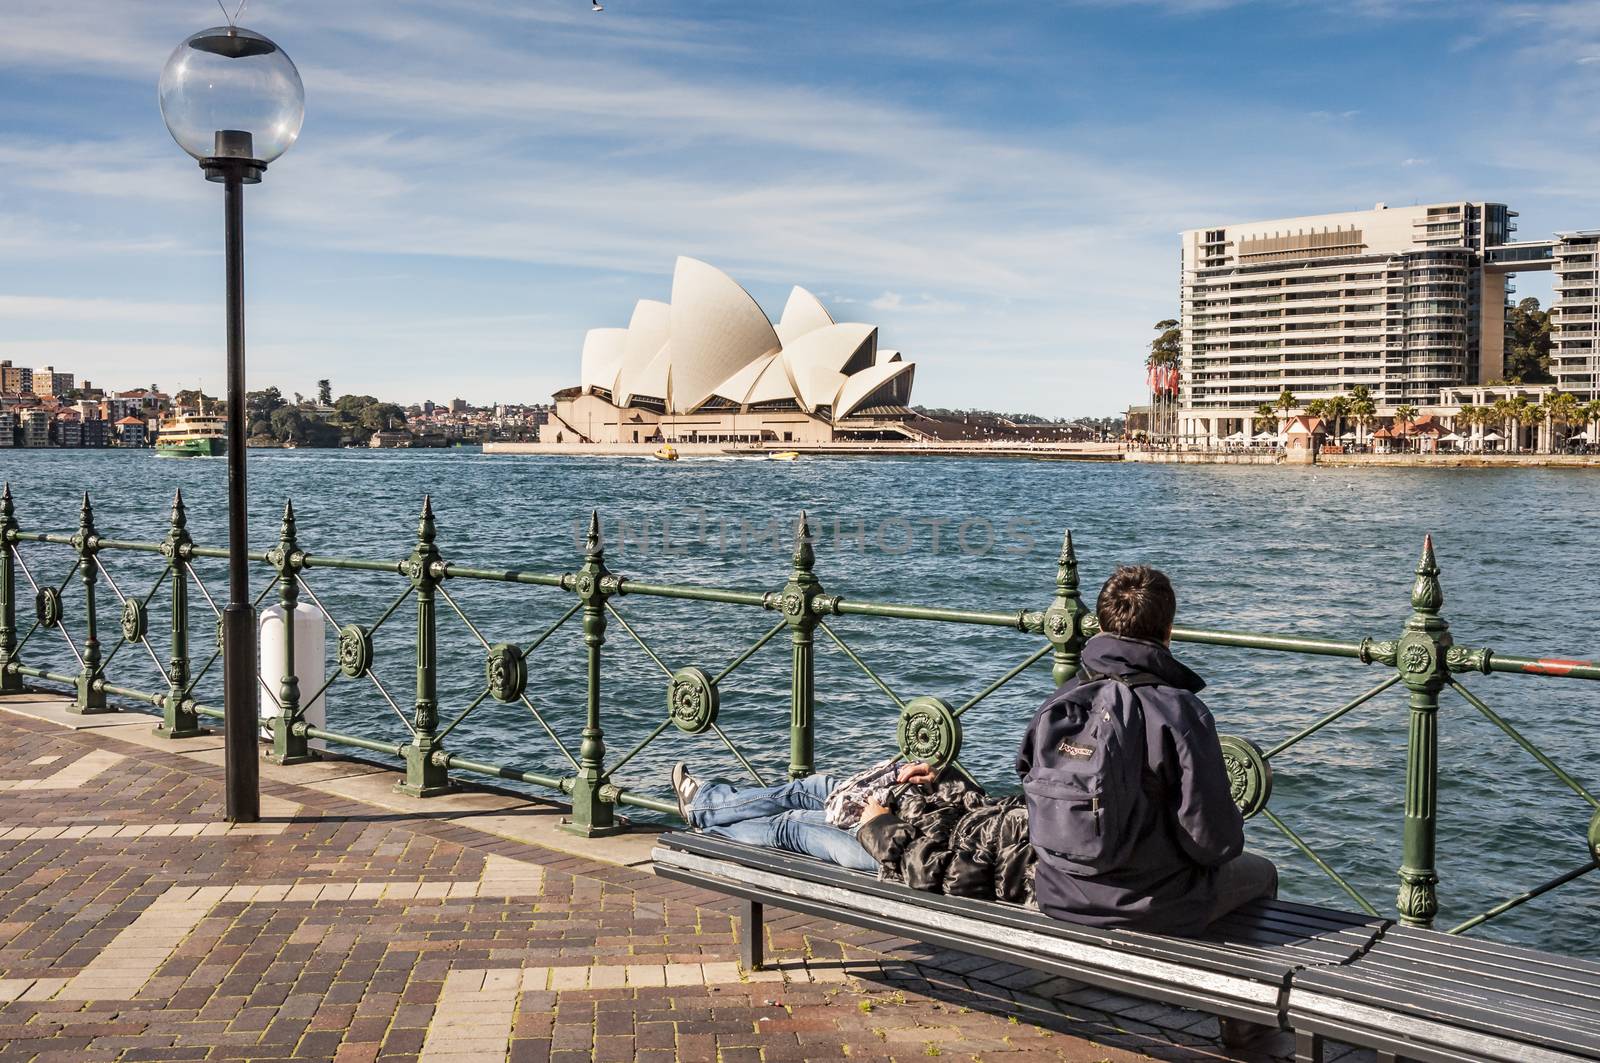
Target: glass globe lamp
229	93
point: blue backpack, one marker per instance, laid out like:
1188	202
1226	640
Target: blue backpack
1085	782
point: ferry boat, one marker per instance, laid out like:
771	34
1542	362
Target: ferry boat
192	435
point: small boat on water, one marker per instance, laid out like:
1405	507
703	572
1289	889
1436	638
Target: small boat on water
192	435
666	452
784	455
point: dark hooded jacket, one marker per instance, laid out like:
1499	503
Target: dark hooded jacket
1186	826
950	837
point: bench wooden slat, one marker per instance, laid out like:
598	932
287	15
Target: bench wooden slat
1409	1036
1463	1000
1352	933
1241	970
1256	999
1242	956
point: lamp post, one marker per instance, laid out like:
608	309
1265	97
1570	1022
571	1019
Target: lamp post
232	99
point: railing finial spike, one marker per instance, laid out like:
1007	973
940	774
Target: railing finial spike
5	500
425	527
1067	563
804	556
86	514
591	539
286	530
1427	594
180	516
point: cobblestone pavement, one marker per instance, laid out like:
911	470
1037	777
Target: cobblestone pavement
134	926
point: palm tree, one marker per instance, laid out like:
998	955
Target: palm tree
1502	415
1317	408
1519	408
1591	416
1286	402
1336	409
1563	411
1404	414
1363	409
1466	418
1267	418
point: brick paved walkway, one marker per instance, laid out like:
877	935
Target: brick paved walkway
134	927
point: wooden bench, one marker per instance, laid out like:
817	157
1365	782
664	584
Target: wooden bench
1240	970
1437	998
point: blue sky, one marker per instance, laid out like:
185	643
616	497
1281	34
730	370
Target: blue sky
998	186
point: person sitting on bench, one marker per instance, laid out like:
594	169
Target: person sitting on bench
902	821
1129	805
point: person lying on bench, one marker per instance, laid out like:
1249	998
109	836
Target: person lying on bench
902	821
1129	805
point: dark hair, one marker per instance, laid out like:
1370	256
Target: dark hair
1137	603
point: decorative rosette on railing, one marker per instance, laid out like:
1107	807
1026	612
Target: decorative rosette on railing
929	731
1249	774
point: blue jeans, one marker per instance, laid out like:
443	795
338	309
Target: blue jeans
787	816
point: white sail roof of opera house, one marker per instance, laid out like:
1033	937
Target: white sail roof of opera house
713	347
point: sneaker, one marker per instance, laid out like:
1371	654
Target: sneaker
685	786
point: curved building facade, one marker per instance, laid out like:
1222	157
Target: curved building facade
711	367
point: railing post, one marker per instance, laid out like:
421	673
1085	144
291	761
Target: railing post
10	682
592	815
288	747
798	594
1421	658
86	542
178	718
1064	620
425	775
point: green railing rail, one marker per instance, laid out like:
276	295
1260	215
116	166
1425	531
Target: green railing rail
1422	659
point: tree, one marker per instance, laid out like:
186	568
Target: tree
1362	408
1563	411
1465	418
325	392
1286	402
1266	418
1528	343
1591	415
1404	414
1317	408
261	404
1336	410
1167	348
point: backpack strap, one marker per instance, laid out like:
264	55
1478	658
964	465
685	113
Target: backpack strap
1131	680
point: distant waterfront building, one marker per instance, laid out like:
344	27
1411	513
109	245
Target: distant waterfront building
8	429
36	428
711	367
15	379
1406	301
49	383
131	432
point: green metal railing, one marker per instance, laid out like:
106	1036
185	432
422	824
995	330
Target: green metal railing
1422	660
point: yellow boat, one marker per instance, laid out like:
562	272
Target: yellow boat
666	452
784	455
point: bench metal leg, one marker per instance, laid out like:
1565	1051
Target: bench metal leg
1307	1047
752	936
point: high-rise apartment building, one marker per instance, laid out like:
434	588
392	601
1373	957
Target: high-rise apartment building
1405	301
47	382
1575	314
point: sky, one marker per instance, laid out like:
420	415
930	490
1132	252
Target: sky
997	186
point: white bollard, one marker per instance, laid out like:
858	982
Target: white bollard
310	659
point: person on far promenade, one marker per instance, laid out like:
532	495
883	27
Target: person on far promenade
1129	807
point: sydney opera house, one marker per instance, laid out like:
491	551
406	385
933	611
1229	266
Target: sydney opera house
711	367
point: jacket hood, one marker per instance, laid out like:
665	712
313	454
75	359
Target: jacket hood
1115	655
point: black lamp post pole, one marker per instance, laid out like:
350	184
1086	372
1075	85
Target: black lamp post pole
233	167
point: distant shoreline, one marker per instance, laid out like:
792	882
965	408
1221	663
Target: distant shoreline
1037	451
